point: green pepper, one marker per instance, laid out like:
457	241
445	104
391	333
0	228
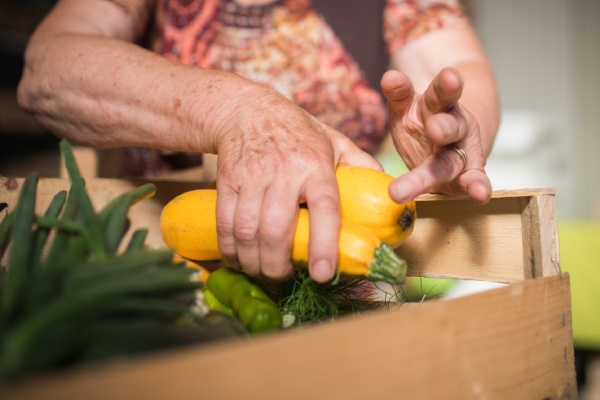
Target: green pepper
249	303
214	304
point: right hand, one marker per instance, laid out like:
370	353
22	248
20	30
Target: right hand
274	156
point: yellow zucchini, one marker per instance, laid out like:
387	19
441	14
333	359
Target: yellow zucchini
361	253
203	273
365	199
188	226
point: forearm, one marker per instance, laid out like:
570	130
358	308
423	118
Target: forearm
480	98
423	59
104	93
95	88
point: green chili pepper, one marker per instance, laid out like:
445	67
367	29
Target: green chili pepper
250	304
214	304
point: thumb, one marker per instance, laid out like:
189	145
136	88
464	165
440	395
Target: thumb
398	90
350	154
360	158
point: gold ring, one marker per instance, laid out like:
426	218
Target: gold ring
462	154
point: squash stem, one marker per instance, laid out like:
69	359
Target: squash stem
386	266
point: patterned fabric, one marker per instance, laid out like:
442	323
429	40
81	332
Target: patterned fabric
405	20
287	45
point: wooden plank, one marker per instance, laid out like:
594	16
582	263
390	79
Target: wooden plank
540	227
513	342
145	214
452	238
511	238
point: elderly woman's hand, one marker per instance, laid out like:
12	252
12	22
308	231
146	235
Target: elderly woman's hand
437	138
274	156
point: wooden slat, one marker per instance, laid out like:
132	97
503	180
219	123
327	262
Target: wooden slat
509	343
145	214
502	241
513	237
541	233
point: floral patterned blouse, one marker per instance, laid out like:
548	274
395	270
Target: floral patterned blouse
290	46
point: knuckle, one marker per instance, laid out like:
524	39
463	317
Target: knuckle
328	202
280	273
225	240
273	231
245	232
228	250
224	227
418	180
445	164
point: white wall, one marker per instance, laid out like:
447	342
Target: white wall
585	24
546	57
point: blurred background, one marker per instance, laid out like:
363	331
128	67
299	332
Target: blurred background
22	140
546	54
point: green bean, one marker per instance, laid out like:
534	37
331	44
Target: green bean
90	217
5	229
56	252
137	240
113	218
61	225
19	258
116	225
41	234
134	195
83	300
141	264
88	300
149	307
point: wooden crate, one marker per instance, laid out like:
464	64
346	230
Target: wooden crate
513	342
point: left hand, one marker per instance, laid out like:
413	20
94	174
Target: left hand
424	129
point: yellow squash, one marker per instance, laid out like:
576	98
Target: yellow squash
203	273
188	226
365	199
361	252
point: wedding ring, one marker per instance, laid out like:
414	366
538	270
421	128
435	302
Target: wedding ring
462	154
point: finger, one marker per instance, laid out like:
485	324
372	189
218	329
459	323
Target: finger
246	225
437	169
443	92
398	90
226	205
476	184
323	200
350	154
446	128
277	228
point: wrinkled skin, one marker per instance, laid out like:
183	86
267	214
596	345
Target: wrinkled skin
265	170
422	126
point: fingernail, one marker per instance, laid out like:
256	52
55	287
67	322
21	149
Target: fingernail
321	271
402	192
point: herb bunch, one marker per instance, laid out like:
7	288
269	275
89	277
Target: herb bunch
306	301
